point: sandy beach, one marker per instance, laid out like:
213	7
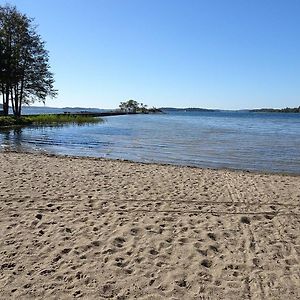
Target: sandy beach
100	229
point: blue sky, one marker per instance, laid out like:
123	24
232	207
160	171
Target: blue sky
216	54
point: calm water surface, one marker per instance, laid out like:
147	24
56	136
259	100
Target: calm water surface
239	140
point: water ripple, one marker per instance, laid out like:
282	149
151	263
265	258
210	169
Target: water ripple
248	141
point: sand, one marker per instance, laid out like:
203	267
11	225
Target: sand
100	229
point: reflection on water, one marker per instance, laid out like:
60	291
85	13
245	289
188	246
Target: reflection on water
263	142
12	139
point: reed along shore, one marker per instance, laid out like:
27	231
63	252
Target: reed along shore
103	229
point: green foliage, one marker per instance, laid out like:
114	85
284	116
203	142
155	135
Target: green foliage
129	106
43	120
61	119
132	106
7	121
25	75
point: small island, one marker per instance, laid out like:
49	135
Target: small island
132	106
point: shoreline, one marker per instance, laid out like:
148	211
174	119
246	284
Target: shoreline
98	228
45	153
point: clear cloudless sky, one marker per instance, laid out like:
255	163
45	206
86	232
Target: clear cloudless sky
227	54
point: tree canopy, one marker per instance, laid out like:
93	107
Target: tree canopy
25	75
132	106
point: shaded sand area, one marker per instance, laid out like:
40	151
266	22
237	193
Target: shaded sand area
97	229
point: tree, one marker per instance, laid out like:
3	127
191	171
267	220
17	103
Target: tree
25	75
132	106
129	106
122	106
143	108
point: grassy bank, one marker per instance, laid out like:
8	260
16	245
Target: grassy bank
10	121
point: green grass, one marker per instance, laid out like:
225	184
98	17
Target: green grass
8	121
44	120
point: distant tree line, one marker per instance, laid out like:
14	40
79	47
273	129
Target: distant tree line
25	75
189	109
283	110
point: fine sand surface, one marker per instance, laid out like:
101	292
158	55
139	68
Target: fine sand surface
98	229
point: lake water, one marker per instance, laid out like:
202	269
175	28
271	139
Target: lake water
238	140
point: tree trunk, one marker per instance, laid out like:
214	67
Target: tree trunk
4	101
5	105
21	93
13	103
5	108
16	100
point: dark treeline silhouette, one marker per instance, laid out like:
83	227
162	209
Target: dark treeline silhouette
25	75
283	110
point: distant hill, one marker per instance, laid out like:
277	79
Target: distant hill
82	108
283	110
186	109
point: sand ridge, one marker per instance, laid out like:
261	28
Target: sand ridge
98	229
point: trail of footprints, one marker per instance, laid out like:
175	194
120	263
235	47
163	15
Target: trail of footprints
186	256
191	234
148	205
